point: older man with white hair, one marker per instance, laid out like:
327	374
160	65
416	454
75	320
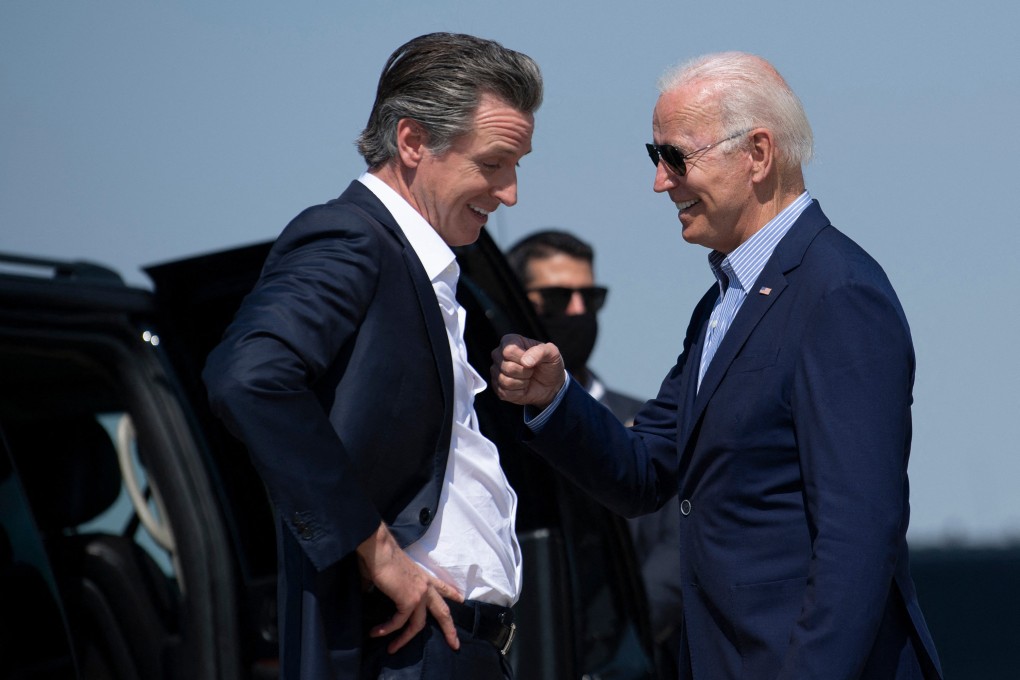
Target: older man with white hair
784	427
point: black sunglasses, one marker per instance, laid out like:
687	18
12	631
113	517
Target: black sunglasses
556	299
675	158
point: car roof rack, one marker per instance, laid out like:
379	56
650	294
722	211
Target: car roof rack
63	270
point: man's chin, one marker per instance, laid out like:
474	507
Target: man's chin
688	232
464	236
467	239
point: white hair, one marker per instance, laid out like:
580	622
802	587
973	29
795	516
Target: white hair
750	93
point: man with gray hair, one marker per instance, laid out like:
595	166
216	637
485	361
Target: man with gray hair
784	427
345	374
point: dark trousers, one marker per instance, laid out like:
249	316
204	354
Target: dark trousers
428	656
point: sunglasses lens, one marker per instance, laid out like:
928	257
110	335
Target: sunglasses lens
670	155
653	153
674	159
555	299
594	298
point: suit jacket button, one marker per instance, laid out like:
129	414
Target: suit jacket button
301	527
685	507
425	516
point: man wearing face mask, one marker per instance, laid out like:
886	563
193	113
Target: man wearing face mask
557	271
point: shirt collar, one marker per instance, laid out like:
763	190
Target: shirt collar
744	264
436	257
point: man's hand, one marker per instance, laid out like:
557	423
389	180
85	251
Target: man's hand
527	372
414	591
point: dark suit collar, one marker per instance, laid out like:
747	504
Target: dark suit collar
361	198
358	194
761	296
790	250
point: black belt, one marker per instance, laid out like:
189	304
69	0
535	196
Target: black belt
485	621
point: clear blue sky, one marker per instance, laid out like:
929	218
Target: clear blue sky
134	133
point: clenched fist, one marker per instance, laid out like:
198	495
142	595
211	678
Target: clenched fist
527	372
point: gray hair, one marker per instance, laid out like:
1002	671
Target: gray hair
438	80
750	93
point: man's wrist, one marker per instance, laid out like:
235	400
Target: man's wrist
377	548
536	417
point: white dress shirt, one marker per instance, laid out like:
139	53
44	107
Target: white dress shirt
471	543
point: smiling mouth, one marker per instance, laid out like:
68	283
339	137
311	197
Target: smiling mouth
480	211
684	205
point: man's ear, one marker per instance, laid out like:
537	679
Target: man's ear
763	154
411	139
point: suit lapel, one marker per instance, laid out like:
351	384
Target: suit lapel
761	296
751	312
433	322
689	381
363	199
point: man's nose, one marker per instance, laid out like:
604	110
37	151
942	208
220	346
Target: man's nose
507	192
665	179
576	305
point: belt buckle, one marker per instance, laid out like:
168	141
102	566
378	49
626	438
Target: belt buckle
509	639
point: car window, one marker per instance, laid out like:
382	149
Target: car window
60	410
35	638
137	496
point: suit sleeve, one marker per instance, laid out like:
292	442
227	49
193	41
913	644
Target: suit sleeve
588	445
307	305
851	407
632	471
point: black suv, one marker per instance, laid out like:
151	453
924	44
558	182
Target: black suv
137	541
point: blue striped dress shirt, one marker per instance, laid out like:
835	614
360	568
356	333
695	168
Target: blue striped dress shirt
738	271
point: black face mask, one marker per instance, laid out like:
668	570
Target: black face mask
575	336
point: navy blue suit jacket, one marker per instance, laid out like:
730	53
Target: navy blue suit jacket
791	466
336	374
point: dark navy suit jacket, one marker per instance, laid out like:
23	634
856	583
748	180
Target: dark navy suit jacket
336	374
791	466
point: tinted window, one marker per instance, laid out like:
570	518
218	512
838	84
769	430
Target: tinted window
35	642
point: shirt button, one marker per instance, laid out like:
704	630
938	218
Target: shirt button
685	507
425	516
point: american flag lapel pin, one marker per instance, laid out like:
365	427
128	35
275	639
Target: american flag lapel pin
765	290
